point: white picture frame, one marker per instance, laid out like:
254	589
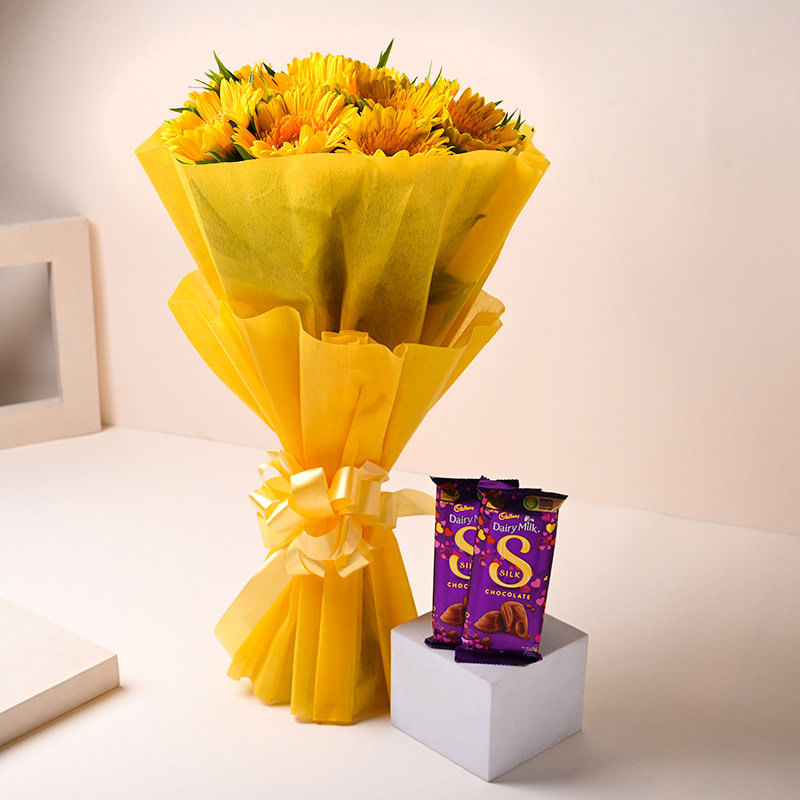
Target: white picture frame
63	244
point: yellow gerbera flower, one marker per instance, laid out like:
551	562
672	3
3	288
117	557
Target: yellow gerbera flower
525	139
262	76
378	84
337	72
192	139
423	99
387	131
303	120
238	101
477	125
235	102
204	131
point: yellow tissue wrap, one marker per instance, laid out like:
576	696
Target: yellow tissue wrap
397	247
321	642
339	297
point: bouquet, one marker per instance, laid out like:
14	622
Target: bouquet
343	219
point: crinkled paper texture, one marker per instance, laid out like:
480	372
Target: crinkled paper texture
336	401
322	645
399	247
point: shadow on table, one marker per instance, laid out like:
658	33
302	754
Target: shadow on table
666	732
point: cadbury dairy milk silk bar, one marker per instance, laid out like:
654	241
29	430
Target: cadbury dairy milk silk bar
511	563
457	506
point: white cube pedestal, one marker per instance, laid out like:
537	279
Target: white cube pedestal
488	718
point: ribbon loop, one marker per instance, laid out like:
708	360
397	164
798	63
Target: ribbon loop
315	524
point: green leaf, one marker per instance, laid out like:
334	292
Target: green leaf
204	86
243	153
224	71
383	60
212	85
181	109
509	119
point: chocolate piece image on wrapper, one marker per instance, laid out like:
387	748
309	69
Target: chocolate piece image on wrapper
457	507
510	574
453	615
510	617
515	619
490	622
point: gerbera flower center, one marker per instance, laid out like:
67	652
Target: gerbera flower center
287	129
475	124
387	140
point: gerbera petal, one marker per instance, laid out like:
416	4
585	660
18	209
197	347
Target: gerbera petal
387	131
478	125
302	120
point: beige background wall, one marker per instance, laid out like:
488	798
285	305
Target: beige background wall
650	353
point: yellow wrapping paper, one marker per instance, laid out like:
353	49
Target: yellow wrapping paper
338	296
321	641
398	247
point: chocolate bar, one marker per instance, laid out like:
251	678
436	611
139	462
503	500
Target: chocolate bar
457	506
510	575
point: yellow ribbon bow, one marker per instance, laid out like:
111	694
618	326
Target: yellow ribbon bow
307	524
340	523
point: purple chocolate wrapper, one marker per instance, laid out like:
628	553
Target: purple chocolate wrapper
510	575
457	507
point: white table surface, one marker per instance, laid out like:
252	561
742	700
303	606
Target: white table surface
139	540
